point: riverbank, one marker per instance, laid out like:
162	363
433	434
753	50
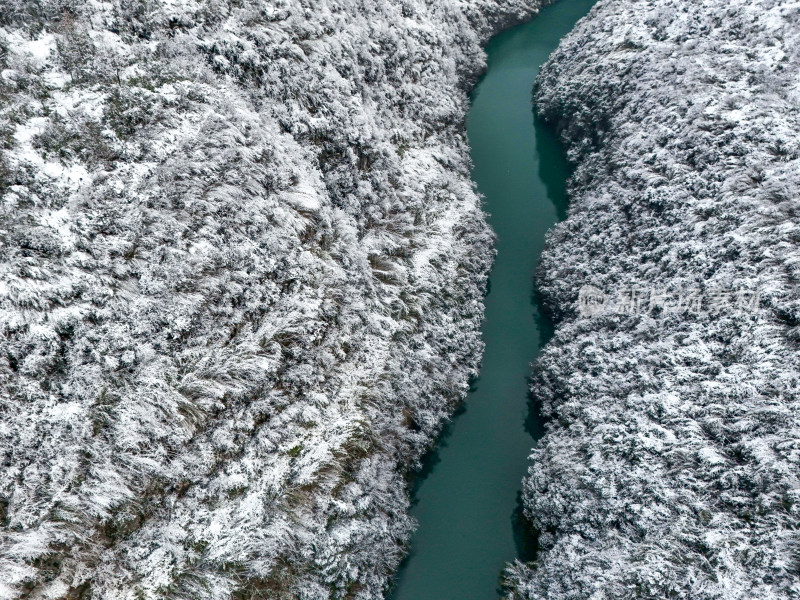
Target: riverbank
669	467
242	266
467	503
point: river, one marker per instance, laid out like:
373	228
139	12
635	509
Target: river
466	499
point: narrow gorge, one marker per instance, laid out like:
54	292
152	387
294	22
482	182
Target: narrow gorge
467	499
245	288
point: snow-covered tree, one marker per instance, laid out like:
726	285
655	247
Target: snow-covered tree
241	272
671	463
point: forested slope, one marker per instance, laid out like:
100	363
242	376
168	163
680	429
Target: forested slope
241	271
671	460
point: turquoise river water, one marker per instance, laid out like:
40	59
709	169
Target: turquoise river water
466	499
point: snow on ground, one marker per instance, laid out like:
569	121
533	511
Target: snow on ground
671	463
241	271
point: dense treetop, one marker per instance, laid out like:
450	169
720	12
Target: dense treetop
670	465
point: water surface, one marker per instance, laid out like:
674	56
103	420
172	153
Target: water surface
466	500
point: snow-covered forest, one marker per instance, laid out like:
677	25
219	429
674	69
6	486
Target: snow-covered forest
241	271
671	463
